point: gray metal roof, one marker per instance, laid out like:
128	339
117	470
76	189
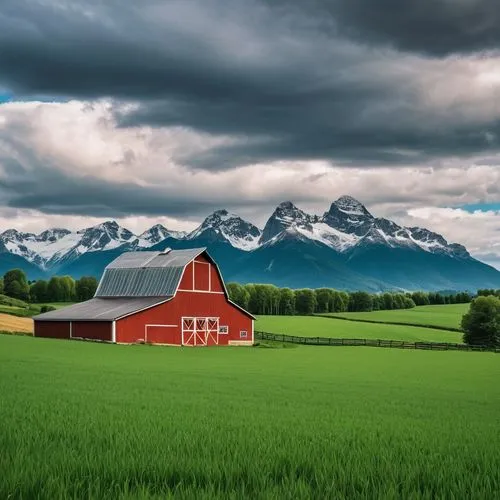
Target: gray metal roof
174	258
99	309
145	274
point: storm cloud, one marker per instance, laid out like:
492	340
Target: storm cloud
269	72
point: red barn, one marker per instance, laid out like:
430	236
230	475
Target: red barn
175	297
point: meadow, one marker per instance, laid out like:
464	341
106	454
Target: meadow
444	316
315	326
23	309
85	420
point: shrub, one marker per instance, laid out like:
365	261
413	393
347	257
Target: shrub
45	309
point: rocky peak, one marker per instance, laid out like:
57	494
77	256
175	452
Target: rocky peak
285	216
349	216
54	234
222	225
351	206
108	234
155	234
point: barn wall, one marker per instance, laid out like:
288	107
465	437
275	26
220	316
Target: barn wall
188	304
52	329
95	330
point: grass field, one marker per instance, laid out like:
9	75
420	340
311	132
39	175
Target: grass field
30	310
83	420
311	326
446	316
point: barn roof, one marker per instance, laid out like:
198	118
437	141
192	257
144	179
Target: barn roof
101	309
145	274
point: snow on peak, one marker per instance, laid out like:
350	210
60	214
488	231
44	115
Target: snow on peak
350	205
285	216
158	233
225	226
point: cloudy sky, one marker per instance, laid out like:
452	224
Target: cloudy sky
165	110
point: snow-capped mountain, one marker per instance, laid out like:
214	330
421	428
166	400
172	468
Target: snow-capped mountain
52	247
348	224
158	233
346	247
224	226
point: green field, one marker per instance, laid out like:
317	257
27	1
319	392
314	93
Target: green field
83	420
312	326
30	310
446	316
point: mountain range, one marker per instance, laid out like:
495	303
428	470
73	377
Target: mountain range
345	248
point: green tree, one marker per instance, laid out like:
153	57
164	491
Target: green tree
16	284
420	298
305	301
86	287
388	301
360	301
287	301
1	285
68	289
482	323
323	299
38	291
55	291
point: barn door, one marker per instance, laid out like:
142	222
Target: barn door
188	331
212	331
200	331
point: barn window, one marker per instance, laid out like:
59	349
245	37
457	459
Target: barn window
223	329
243	334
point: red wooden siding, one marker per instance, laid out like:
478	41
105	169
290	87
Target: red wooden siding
215	281
187	278
163	334
52	329
201	275
185	304
95	330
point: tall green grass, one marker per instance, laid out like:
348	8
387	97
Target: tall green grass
81	420
314	326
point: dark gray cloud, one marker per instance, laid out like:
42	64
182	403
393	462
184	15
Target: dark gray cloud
437	27
294	80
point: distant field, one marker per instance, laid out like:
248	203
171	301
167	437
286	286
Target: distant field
446	316
312	326
10	323
83	420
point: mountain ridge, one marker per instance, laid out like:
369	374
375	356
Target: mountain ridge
340	246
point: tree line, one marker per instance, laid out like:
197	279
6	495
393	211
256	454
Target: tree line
270	299
15	284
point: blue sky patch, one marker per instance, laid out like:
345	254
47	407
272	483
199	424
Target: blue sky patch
483	207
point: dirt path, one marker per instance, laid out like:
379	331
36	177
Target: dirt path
14	324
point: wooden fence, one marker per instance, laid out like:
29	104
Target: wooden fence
400	344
